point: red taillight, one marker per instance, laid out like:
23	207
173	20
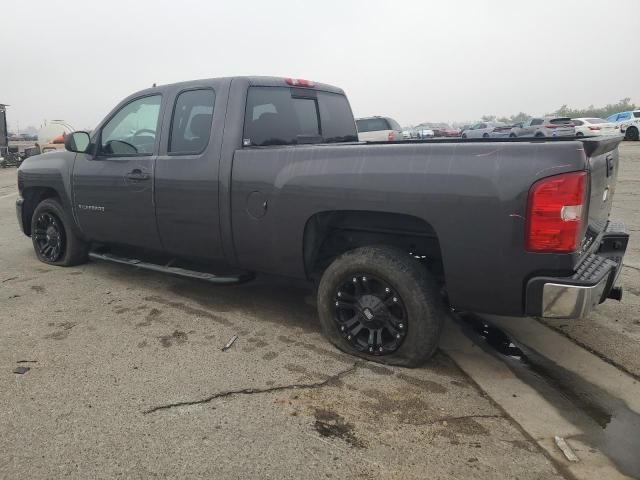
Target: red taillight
594	128
390	136
298	82
555	213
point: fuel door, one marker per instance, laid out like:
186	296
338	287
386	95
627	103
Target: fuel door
257	204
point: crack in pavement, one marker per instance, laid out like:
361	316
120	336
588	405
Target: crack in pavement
464	417
252	391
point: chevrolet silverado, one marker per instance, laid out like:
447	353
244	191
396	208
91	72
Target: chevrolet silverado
265	174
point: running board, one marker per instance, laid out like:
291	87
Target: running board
181	272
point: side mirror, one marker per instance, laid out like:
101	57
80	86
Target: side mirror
77	142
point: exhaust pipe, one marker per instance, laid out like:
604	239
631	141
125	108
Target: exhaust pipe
615	293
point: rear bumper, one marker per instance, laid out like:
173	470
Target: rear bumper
591	284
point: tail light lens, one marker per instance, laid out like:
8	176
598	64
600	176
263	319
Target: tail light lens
555	213
594	128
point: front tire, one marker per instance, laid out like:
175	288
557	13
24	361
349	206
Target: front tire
631	134
54	241
381	304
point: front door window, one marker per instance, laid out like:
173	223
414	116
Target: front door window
132	131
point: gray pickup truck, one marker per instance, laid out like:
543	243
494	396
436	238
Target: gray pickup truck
262	174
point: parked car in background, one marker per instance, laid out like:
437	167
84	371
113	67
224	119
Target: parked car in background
487	130
594	126
629	123
424	130
378	129
544	127
444	130
409	133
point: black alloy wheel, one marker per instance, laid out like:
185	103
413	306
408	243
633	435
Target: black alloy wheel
49	236
370	315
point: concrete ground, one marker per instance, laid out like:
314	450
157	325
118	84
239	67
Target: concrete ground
127	379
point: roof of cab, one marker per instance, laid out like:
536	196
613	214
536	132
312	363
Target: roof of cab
254	81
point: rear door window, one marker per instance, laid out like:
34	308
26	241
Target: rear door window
292	116
191	122
537	121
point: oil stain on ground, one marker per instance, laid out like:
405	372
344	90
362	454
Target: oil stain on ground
176	338
153	314
332	425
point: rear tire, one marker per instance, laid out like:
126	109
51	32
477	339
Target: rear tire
631	134
579	134
464	135
512	135
381	304
53	239
539	135
485	135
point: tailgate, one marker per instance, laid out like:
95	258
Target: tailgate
602	154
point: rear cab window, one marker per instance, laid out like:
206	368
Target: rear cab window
294	116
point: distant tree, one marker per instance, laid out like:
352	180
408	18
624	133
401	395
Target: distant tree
488	118
592	111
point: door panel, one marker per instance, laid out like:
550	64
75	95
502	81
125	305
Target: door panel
114	201
113	185
187	171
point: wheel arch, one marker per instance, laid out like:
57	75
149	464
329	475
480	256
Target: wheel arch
328	234
32	196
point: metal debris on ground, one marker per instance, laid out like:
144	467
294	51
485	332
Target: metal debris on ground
21	370
566	449
229	343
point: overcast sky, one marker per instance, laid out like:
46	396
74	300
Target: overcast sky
413	60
